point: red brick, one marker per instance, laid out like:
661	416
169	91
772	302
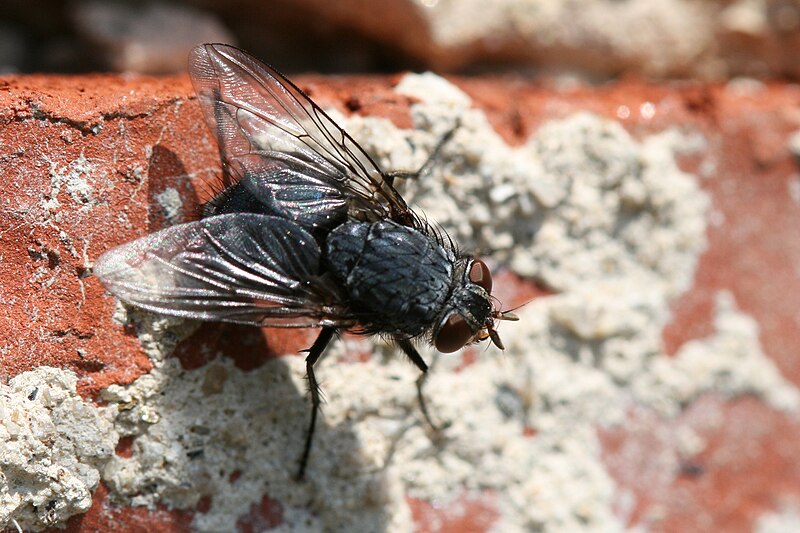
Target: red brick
52	315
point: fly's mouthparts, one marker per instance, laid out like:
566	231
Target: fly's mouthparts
495	338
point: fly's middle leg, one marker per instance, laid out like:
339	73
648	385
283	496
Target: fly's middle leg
314	353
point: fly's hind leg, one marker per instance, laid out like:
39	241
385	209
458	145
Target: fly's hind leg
416	358
426	166
314	353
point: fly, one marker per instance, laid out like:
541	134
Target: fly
308	232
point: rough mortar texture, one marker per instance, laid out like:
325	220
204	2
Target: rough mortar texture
608	223
53	447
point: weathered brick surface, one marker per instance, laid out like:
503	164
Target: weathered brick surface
81	157
84	159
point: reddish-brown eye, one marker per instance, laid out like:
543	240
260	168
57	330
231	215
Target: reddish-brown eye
480	275
454	334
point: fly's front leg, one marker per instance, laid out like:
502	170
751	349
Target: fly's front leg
416	358
426	166
314	353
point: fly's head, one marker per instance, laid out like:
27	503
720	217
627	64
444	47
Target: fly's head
469	314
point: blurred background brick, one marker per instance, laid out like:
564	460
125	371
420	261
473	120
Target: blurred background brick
598	39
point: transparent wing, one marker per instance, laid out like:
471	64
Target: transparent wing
243	268
273	137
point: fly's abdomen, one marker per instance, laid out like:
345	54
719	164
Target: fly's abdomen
397	278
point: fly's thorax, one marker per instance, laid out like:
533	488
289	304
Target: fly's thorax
468	311
397	278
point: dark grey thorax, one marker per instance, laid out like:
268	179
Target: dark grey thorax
396	277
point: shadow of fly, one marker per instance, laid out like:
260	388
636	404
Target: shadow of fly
307	232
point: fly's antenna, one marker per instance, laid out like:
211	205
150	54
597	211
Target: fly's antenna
506	315
492	331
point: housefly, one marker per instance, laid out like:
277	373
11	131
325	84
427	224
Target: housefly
307	232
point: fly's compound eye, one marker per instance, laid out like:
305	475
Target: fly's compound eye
453	335
479	274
